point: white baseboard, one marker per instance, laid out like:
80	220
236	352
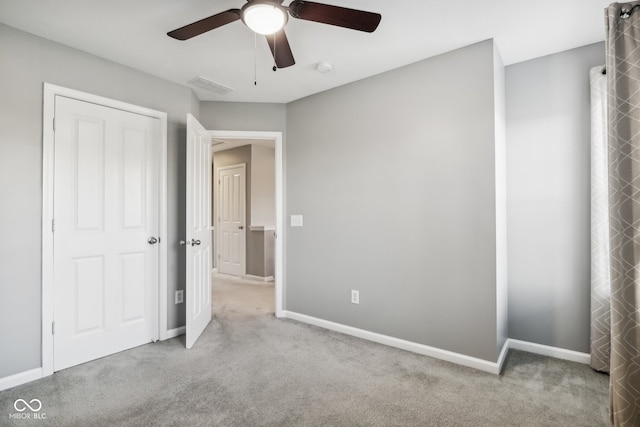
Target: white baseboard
545	350
20	378
436	353
214	270
259	278
449	356
172	333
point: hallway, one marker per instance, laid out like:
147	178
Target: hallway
236	297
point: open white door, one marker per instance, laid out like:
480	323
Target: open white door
198	238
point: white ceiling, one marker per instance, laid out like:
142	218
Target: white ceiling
133	33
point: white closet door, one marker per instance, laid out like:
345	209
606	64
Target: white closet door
105	213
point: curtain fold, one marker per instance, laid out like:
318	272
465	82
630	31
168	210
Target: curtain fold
623	100
600	282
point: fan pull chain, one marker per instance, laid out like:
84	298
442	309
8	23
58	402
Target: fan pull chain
255	60
275	46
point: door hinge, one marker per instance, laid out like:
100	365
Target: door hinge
53	225
54	124
275	235
219	182
53	328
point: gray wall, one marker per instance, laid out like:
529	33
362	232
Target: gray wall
261	247
243	116
395	178
26	62
269	254
548	134
263	185
255	253
263	209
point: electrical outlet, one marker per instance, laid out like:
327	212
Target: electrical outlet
179	297
355	297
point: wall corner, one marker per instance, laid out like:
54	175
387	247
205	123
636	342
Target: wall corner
501	198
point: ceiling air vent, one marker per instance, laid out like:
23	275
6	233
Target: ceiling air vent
210	86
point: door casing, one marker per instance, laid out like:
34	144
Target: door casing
48	139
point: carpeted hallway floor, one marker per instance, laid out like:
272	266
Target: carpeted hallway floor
251	369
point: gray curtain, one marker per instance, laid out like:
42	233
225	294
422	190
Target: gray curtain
623	100
600	266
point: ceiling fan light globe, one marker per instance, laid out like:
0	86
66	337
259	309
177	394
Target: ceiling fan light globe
264	18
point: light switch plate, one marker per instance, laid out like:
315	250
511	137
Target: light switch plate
296	220
179	297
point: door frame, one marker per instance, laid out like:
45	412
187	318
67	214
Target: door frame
276	137
50	91
242	166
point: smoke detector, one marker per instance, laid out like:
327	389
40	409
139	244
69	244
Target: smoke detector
324	67
210	86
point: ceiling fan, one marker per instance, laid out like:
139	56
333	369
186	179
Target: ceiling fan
268	17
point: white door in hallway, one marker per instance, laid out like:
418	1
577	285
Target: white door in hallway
231	220
105	231
198	239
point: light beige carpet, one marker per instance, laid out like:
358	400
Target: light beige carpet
251	369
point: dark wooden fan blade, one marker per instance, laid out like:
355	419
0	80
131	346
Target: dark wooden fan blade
206	24
335	15
280	49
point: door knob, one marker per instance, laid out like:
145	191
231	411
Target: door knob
193	242
241	228
152	240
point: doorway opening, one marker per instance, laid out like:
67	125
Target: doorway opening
256	269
